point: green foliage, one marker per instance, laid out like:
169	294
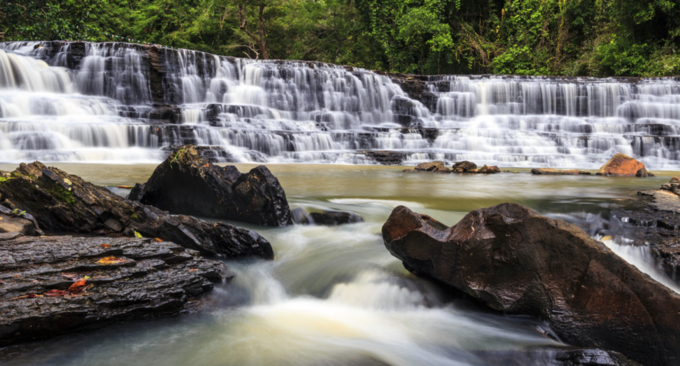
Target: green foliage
527	37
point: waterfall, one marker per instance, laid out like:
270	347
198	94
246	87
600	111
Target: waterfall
117	102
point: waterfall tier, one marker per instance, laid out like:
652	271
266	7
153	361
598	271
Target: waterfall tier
118	102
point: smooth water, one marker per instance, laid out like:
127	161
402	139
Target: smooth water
124	103
334	295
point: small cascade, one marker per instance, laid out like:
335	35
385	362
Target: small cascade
73	101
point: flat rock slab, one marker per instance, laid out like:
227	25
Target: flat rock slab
129	278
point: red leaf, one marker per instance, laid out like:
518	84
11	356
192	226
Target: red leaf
78	286
55	293
106	246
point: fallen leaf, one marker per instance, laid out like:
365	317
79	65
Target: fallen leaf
32	296
19	297
138	235
70	276
608	237
78	285
17	276
193	270
124	187
106	246
206	165
55	293
158	240
112	260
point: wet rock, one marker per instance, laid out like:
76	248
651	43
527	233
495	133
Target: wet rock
187	184
61	202
550	171
386	157
300	216
515	261
147	279
334	218
488	170
327	218
464	166
137	192
623	166
643	173
555	357
434	166
15	221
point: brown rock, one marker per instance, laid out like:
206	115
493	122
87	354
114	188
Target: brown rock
518	262
464	167
643	173
434	166
621	165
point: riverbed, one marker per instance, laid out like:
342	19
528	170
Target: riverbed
334	295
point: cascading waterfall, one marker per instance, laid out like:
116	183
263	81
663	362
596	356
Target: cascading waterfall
117	102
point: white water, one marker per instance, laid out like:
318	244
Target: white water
55	106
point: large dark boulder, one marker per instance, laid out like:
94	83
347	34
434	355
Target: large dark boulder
518	262
123	279
61	202
185	183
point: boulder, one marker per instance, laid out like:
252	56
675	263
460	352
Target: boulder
129	278
550	171
327	218
61	202
643	173
334	218
623	166
488	170
515	261
434	166
464	167
185	183
137	192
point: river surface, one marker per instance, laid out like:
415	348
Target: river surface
334	295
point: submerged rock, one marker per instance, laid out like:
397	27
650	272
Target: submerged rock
185	183
550	171
517	262
61	202
622	165
327	218
129	278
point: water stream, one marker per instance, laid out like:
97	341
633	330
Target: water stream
334	295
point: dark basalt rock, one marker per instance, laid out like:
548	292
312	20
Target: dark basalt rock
154	279
137	192
61	202
185	183
515	261
334	218
555	357
327	218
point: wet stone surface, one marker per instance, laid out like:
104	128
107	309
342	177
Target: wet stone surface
125	279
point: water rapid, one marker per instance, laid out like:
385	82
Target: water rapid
124	103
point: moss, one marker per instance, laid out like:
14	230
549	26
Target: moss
61	194
3	179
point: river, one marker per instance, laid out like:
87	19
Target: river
334	295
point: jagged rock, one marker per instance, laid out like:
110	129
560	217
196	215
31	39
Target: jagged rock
517	262
434	166
550	171
153	279
622	165
61	202
464	166
185	183
137	192
327	218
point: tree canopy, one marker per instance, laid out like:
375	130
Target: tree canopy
525	37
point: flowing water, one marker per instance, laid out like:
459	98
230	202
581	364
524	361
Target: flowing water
334	295
125	103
